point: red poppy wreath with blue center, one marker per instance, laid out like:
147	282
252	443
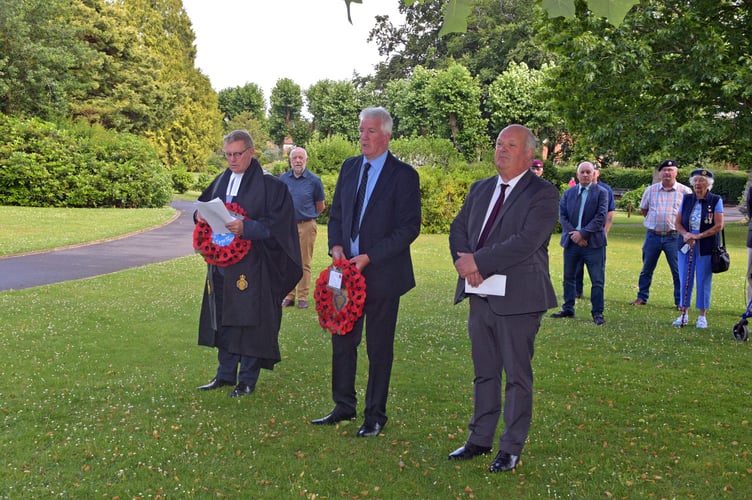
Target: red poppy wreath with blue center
221	249
340	308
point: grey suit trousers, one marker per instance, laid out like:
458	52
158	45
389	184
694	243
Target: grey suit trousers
501	343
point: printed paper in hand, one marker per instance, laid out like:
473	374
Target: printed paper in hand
216	214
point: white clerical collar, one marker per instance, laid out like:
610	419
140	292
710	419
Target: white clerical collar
234	183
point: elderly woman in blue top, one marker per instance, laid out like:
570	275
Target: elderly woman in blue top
698	221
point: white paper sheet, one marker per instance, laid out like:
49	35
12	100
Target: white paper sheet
496	284
216	215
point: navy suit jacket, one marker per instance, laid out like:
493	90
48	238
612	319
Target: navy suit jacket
593	216
390	223
517	245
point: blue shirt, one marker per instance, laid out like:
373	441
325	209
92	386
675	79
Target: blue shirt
377	165
305	191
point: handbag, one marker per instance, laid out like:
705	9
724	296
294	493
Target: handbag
720	259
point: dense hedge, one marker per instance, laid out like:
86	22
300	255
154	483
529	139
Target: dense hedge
43	165
442	192
727	183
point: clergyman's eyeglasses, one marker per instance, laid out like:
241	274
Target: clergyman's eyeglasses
234	155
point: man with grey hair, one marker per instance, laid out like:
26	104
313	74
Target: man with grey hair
307	193
582	213
375	216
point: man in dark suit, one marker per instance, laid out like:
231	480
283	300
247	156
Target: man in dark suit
582	213
385	193
508	246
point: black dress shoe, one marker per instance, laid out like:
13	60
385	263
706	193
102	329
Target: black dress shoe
469	450
333	418
503	462
242	389
563	314
598	319
215	384
369	430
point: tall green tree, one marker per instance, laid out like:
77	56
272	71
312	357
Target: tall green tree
409	103
248	98
673	80
44	57
334	106
285	113
517	96
454	102
194	127
497	33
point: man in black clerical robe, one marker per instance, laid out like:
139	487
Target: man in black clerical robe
242	304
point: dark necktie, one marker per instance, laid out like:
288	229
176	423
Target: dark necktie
492	217
360	199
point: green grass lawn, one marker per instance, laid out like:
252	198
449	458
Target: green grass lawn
30	229
98	395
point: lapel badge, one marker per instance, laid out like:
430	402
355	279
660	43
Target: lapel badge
242	283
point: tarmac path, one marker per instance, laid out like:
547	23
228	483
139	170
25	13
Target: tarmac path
166	242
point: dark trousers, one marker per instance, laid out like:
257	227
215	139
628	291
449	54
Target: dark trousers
250	367
595	260
501	344
380	320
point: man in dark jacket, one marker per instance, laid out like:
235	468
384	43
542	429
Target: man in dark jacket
375	216
499	240
582	212
242	305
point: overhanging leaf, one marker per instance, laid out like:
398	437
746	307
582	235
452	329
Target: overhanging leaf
455	17
613	10
556	8
348	2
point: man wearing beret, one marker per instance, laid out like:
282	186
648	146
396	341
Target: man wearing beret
537	167
659	206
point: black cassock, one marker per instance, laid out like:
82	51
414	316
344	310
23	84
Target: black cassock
243	312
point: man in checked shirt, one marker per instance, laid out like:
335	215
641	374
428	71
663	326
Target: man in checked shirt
659	205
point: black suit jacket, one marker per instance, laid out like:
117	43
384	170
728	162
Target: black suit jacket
390	223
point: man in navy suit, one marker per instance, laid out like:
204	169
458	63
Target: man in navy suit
582	213
385	193
507	244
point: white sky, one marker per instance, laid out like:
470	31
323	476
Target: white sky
261	41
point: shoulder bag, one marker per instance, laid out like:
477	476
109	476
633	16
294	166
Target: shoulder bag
720	258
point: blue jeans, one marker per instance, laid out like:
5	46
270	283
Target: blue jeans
595	260
579	276
651	252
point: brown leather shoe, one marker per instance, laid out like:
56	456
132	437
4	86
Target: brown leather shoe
638	302
288	303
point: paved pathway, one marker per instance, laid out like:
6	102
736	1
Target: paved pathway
167	242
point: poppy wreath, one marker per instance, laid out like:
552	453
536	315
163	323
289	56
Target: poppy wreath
340	309
214	253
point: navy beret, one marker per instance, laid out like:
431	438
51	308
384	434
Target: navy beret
668	163
703	172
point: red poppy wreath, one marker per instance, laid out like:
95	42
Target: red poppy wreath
340	308
222	249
